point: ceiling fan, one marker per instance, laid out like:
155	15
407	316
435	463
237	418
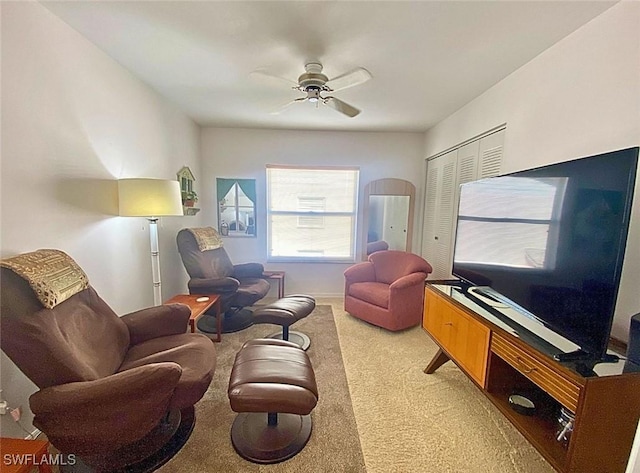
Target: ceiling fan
316	85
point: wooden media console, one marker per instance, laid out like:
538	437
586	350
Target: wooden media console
503	359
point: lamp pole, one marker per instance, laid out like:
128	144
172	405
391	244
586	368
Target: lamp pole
155	260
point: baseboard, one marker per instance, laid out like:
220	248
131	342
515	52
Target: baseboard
618	346
34	434
338	295
328	295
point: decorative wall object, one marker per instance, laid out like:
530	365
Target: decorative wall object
189	195
236	207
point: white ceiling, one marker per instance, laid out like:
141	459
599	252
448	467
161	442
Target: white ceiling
427	58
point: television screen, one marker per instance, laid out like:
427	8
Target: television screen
552	241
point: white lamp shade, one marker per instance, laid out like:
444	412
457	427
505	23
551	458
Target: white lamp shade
149	198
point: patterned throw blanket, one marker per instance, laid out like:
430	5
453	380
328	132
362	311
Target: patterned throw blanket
207	238
52	274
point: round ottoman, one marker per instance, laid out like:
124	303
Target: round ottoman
273	388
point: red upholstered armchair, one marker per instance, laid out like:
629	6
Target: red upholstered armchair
387	290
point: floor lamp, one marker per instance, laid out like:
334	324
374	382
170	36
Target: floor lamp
151	198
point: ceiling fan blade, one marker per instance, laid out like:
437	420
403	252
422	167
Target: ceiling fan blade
287	105
341	106
349	79
264	77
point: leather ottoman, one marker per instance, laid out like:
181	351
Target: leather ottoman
273	388
285	312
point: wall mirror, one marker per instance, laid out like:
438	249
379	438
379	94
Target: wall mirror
388	215
236	207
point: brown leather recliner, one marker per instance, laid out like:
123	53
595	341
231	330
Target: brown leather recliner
212	272
113	390
387	290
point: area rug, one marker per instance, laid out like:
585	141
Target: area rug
334	445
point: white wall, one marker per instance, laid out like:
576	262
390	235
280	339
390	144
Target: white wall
580	97
243	153
73	121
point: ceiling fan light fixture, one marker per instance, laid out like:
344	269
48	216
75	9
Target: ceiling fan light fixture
313	94
313	83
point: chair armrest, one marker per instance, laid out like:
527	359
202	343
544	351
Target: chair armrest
248	270
360	272
159	321
213	286
93	417
409	280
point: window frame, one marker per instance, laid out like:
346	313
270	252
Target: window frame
353	215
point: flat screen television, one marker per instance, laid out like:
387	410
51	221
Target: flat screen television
551	241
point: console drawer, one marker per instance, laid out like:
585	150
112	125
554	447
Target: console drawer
559	387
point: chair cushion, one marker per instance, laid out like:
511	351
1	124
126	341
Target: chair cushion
195	353
376	293
285	311
269	376
250	291
81	339
52	274
391	265
208	264
207	238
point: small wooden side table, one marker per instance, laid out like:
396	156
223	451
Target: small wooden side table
20	456
278	276
200	307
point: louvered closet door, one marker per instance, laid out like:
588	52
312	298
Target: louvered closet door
467	164
490	155
467	171
439	211
476	160
430	205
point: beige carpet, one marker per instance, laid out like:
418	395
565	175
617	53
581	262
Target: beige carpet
334	445
391	417
412	422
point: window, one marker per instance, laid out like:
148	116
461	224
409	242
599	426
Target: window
311	213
